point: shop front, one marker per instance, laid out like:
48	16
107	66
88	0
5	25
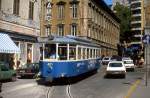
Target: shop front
8	50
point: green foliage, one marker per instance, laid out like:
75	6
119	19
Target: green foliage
124	14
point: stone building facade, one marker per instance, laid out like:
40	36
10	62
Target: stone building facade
91	19
20	20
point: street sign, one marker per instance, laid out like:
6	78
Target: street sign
146	39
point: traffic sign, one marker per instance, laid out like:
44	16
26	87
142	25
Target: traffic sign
146	39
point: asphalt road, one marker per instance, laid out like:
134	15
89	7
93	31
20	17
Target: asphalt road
87	86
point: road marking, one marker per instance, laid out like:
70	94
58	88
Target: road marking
132	88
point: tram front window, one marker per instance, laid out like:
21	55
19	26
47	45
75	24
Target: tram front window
50	51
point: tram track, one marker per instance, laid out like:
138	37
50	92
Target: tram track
49	92
68	91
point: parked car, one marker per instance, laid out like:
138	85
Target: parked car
106	60
116	68
28	70
128	62
7	73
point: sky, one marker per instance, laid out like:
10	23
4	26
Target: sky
109	2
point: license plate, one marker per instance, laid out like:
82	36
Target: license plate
116	72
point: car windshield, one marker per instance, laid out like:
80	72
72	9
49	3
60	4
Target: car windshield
106	58
128	62
115	64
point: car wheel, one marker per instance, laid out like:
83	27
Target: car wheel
13	78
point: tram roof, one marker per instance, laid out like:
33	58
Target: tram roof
68	40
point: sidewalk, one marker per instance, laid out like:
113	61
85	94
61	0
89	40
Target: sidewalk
142	91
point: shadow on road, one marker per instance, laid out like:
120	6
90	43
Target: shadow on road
117	76
67	81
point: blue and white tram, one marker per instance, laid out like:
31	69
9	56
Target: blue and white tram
73	56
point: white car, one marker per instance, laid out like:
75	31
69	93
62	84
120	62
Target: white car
129	64
116	68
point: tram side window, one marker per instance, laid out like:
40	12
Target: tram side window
72	53
79	53
62	52
91	53
97	54
84	53
88	53
50	51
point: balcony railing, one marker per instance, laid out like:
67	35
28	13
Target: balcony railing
136	22
135	15
136	29
137	8
135	1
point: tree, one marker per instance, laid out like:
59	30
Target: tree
124	14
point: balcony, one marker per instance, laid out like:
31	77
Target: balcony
136	15
136	22
136	1
137	8
134	29
136	42
138	35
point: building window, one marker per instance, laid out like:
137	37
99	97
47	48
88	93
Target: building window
74	10
74	29
31	9
60	30
60	11
16	7
48	30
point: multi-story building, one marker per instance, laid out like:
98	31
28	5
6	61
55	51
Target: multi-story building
20	20
137	20
91	19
